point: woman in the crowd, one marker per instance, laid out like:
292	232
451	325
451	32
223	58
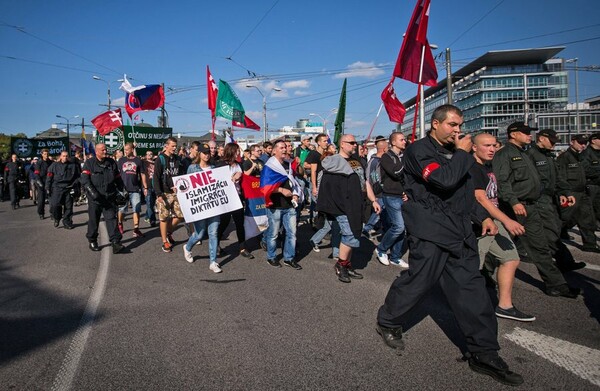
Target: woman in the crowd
231	157
211	224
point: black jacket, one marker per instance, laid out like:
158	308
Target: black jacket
164	173
62	175
41	169
392	173
571	169
13	171
103	176
441	197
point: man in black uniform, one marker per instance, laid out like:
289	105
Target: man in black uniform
582	213
59	184
520	193
40	173
101	180
13	173
590	159
443	247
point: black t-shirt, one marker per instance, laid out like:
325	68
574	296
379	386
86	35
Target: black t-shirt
131	170
279	200
246	164
314	157
484	179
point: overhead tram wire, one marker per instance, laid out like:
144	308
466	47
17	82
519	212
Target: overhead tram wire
53	65
253	29
475	24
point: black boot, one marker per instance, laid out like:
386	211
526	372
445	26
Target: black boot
391	337
492	365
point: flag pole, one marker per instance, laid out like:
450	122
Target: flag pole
417	108
374	122
422	99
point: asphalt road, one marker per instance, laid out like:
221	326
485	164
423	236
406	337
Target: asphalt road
74	319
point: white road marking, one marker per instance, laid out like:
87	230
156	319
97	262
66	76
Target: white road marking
593	267
578	359
66	374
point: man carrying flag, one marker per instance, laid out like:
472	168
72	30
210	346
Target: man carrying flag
282	194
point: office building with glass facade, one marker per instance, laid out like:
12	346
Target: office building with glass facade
499	88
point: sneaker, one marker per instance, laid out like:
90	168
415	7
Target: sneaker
246	254
342	273
354	274
274	262
314	246
292	264
382	257
401	263
514	314
120	226
494	366
166	247
188	255
170	238
215	267
137	233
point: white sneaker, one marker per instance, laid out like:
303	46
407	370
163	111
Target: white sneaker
401	262
215	267
188	255
382	257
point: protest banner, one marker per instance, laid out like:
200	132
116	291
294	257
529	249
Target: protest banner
206	194
30	147
146	138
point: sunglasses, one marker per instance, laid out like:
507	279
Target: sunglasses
350	142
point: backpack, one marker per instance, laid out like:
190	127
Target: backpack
374	175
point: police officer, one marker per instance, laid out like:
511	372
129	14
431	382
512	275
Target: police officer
40	173
443	246
13	174
519	190
582	213
590	159
59	185
101	180
554	190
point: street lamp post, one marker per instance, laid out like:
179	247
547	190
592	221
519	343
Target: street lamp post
107	86
68	135
574	60
264	107
324	119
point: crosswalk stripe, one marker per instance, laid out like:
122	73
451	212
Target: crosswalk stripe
578	359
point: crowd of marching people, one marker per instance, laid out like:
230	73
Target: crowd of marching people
465	208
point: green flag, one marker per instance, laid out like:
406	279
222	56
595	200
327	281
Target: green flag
228	104
341	117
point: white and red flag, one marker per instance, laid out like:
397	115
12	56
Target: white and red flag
108	121
395	109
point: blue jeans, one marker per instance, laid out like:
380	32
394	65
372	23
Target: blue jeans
135	199
394	237
276	217
376	218
213	238
320	234
150	200
346	234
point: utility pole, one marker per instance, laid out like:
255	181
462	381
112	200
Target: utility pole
448	76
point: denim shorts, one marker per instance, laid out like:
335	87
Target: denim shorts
348	237
136	203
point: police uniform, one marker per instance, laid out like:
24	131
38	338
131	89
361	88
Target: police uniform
520	183
59	184
13	174
553	186
101	180
40	173
590	160
442	244
582	214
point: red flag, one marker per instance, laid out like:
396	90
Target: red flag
108	121
212	92
248	124
393	106
408	63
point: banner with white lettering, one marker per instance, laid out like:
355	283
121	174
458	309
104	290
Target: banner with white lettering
145	138
206	193
30	147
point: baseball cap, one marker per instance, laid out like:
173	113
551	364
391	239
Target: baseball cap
551	134
306	137
519	127
380	138
580	138
204	148
594	136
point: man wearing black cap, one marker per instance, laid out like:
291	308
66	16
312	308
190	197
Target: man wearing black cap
582	213
519	190
554	190
590	159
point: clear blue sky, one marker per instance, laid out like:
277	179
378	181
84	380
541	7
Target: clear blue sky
304	47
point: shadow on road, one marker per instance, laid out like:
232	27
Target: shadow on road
31	316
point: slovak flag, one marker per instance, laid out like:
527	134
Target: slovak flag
108	121
145	97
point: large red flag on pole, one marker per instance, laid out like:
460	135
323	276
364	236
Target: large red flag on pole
393	106
212	92
108	121
415	49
